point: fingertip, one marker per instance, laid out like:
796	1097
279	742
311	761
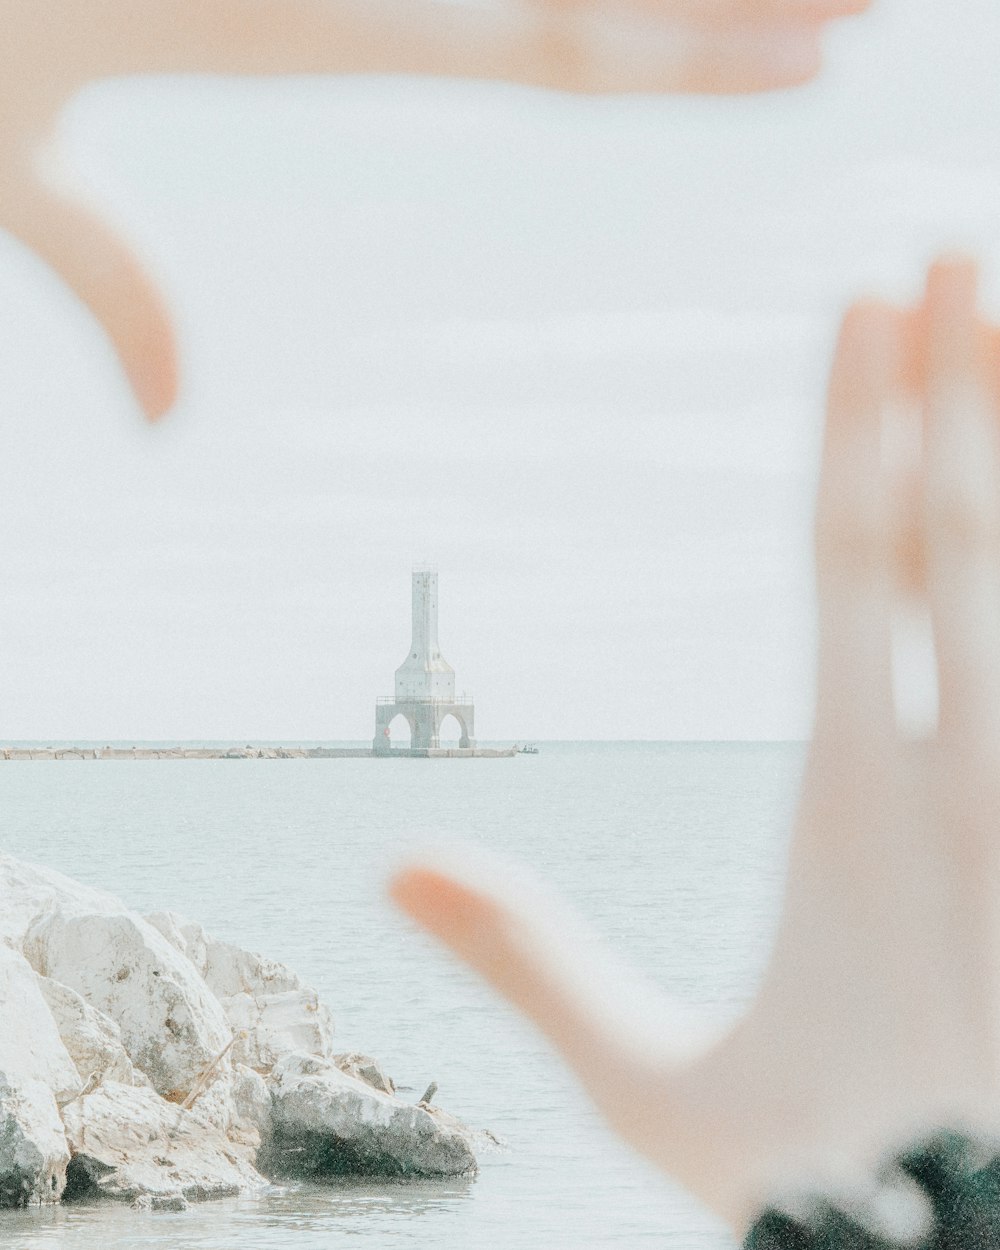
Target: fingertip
869	357
953	261
868	326
744	62
154	383
446	907
953	340
871	313
137	321
104	273
953	281
414	890
794	62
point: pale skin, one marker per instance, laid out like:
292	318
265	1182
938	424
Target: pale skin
878	1017
49	49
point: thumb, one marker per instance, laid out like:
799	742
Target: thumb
98	266
615	1029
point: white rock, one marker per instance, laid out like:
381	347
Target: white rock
226	969
30	1046
130	1145
238	1104
89	941
93	1040
95	994
366	1069
171	1026
272	1025
326	1122
268	1006
160	1202
251	1103
168	923
33	1151
27	890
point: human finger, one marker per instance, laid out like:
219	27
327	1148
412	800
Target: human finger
858	526
912	548
582	47
610	51
614	1028
99	267
962	504
991	352
760	12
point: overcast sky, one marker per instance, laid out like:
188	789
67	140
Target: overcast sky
570	351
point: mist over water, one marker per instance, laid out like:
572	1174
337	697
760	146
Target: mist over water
675	850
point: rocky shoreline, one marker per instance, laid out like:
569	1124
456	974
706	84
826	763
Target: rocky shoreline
144	1061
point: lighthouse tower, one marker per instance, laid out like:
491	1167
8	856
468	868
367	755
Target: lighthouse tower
425	681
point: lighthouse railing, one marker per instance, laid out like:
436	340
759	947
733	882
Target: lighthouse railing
464	700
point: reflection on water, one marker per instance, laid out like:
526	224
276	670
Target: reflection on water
313	1213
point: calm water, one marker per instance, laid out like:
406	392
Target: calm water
675	851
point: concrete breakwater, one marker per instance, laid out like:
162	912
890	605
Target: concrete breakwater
248	753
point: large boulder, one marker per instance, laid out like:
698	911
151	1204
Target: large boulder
129	1145
269	1008
92	1039
35	1071
326	1122
171	1026
33	1151
30	1046
27	890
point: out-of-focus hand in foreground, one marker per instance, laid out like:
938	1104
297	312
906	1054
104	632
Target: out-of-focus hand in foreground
50	48
878	1018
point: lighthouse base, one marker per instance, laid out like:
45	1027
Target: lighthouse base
425	718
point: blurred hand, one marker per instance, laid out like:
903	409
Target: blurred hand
51	48
879	1015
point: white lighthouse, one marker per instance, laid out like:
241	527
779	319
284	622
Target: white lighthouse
425	673
425	681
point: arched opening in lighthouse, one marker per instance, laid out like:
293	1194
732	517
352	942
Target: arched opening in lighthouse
400	731
451	731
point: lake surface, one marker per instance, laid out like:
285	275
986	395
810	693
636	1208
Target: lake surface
674	850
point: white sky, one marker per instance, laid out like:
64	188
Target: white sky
570	351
